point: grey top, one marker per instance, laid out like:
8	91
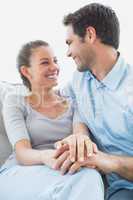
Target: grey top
23	122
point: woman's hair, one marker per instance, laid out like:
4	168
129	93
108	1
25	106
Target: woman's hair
23	58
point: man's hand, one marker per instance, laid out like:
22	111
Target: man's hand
104	162
80	147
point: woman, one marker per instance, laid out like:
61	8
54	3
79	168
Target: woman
34	123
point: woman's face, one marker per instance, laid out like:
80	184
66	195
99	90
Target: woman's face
44	69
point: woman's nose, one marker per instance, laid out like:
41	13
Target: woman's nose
54	67
69	54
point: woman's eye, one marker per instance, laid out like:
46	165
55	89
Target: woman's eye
45	63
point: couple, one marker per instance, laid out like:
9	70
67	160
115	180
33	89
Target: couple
96	106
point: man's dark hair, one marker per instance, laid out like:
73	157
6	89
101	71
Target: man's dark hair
24	55
100	17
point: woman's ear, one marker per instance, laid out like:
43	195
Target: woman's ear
25	71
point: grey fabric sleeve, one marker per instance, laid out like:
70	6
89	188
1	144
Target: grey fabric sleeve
13	115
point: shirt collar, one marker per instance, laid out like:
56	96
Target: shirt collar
88	75
114	77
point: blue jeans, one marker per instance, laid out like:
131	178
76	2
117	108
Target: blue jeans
42	183
123	194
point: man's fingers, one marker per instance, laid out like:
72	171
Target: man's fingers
95	149
89	147
80	148
60	160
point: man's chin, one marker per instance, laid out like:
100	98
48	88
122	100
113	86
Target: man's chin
82	69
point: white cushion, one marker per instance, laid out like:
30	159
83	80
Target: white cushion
7	89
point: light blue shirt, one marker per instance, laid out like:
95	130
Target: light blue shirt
107	108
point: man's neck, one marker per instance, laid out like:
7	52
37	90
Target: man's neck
105	61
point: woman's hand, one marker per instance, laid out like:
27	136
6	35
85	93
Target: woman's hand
48	157
80	147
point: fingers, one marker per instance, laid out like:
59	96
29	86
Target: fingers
65	166
89	147
58	144
80	148
61	150
71	142
95	149
74	168
72	148
60	160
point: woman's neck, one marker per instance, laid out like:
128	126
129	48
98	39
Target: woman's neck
43	97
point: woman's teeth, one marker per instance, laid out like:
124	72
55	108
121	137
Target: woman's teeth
52	77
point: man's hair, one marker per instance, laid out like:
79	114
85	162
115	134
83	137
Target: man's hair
24	56
100	17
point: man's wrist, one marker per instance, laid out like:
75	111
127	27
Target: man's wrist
115	163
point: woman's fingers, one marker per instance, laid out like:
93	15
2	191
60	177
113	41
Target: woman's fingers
74	168
79	146
59	144
61	150
65	166
60	160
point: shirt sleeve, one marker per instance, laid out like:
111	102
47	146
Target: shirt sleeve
77	116
67	91
13	115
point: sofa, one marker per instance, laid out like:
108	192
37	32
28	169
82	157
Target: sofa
5	89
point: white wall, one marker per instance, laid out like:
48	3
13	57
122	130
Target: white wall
25	20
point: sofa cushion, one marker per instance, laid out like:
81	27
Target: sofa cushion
5	89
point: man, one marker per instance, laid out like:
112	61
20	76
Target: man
102	87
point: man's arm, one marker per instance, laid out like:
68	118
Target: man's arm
122	165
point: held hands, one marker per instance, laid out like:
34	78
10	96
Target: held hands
79	148
62	162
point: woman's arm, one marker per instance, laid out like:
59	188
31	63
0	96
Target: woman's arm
26	155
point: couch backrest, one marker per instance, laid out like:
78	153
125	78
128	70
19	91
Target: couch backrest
5	89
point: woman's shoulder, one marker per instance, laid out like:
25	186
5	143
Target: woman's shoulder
14	100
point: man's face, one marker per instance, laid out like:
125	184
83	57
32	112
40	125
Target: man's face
79	49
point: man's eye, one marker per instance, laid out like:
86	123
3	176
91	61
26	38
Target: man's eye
55	61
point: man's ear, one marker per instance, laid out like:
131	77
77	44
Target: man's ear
91	34
25	71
